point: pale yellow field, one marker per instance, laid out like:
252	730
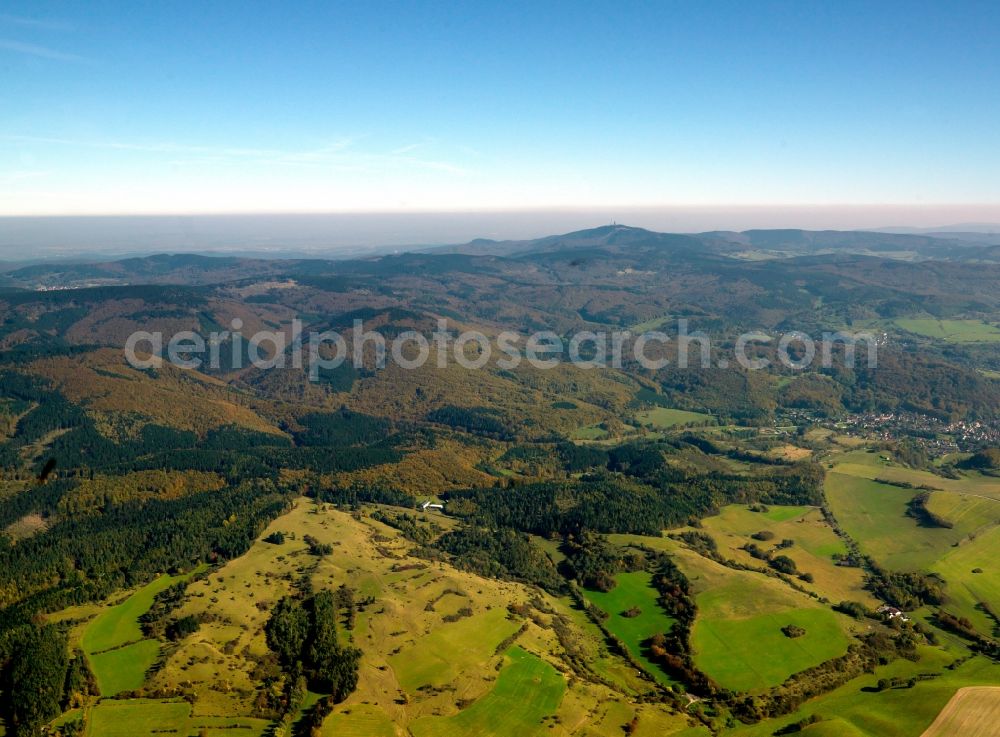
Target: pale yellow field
972	712
790	452
815	543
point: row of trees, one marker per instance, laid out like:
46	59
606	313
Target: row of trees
925	516
672	650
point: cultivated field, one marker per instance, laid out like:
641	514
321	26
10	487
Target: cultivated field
972	712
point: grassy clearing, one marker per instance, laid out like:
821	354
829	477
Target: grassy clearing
124	668
438	658
590	432
751	653
664	417
361	720
952	331
609	666
526	692
138	718
22	529
634	590
972	484
119	625
972	712
114	644
868	465
874	514
968	512
651	324
789	452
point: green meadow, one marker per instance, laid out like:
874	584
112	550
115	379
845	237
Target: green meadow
526	692
124	668
438	658
875	514
750	653
664	417
138	717
952	331
119	625
737	638
152	717
796	523
634	590
650	325
590	432
872	465
964	555
972	572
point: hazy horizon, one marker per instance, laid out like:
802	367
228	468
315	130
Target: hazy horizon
30	238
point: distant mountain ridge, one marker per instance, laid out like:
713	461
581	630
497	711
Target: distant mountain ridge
611	240
787	242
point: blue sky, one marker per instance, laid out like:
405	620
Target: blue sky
151	107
